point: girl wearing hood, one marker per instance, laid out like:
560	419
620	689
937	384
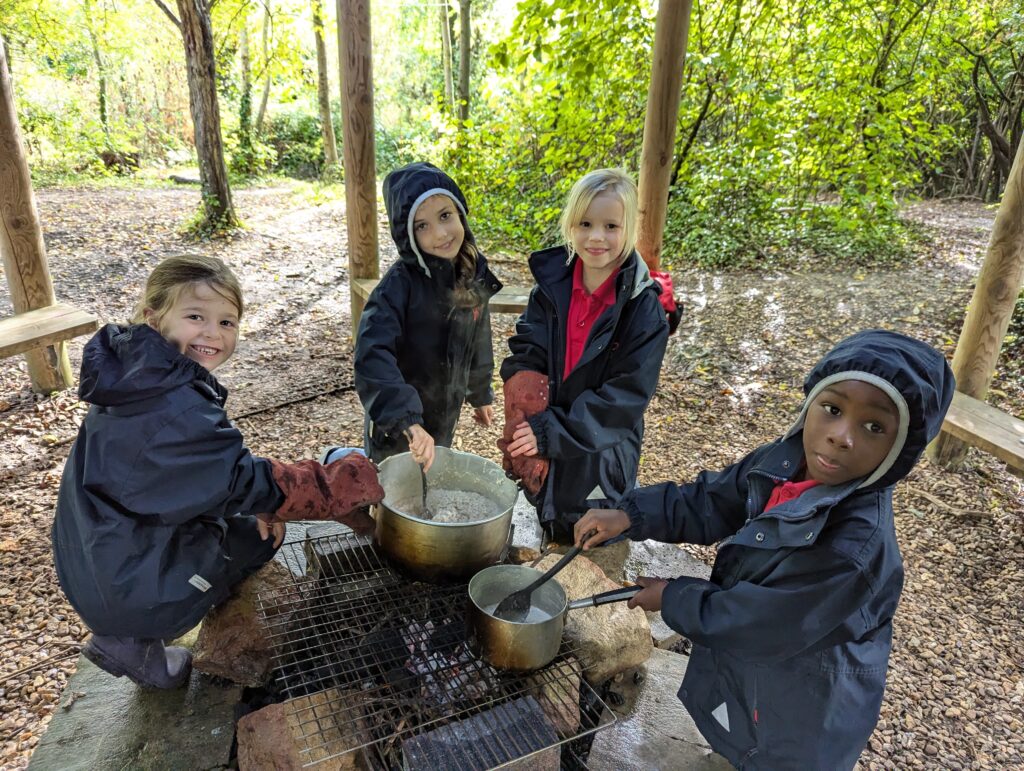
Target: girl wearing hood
791	635
584	361
424	341
162	509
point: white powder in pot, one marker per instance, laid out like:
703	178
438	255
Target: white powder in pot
449	506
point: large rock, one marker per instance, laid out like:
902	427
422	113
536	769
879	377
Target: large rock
660	734
108	723
608	639
304	730
234	641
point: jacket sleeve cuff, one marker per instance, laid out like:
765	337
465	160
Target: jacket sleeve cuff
403	423
636	517
674	600
538	423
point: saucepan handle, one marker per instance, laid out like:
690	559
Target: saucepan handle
615	595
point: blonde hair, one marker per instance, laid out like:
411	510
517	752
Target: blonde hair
176	274
587	189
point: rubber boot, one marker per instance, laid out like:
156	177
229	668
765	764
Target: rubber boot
145	662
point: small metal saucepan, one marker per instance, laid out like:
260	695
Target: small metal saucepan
531	644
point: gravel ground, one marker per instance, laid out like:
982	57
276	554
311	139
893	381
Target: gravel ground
731	380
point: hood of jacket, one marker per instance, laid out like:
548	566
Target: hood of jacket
126	364
405	189
550	266
914	375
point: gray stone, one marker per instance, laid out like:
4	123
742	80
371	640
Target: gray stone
664	560
609	638
526	529
114	724
659	735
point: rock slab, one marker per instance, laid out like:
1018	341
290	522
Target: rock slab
659	735
234	641
107	723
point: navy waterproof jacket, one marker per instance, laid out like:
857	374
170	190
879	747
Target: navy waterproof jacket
150	529
594	425
418	358
791	635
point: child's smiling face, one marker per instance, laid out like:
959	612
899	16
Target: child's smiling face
848	431
438	227
202	324
598	237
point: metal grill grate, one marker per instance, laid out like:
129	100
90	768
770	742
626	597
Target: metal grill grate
378	667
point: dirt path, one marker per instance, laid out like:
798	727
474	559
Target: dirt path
731	379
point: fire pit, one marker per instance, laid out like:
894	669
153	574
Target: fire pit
376	667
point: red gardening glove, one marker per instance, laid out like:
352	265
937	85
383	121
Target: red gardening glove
526	394
342	491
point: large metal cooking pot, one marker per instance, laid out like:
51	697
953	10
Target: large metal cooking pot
533	643
440	552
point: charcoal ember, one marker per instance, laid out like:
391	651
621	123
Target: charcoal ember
499	735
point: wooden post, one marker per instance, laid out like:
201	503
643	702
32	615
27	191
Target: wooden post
988	315
21	243
671	29
355	51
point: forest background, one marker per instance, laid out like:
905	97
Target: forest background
804	125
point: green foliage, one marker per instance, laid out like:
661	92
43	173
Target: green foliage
294	135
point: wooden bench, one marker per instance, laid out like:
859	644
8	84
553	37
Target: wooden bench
981	425
511	299
44	326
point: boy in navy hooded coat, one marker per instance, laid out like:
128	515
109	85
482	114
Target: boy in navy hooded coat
792	633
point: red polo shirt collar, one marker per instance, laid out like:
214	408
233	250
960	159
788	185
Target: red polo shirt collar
584	309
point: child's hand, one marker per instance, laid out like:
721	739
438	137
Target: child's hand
421	445
265	529
523	441
484	415
650	598
607	523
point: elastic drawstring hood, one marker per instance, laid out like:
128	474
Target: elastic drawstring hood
405	190
915	377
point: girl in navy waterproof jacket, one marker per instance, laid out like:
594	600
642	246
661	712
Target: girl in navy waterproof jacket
162	509
589	345
424	341
791	634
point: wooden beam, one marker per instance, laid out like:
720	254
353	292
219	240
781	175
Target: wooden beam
671	29
355	52
511	299
43	327
988	316
982	425
21	242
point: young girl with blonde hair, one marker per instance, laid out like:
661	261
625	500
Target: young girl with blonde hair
585	359
162	509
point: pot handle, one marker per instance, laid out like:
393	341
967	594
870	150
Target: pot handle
615	595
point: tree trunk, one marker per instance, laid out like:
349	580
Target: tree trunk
465	46
323	92
217	209
262	113
671	29
446	53
356	71
246	162
988	315
101	69
21	242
